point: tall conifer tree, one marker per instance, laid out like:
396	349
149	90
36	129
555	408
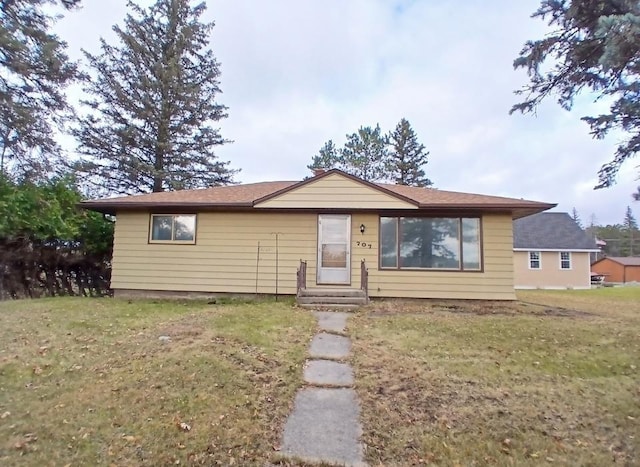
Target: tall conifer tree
630	230
576	217
151	124
365	154
34	70
328	157
407	157
397	157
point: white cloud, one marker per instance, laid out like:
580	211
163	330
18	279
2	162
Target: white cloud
295	74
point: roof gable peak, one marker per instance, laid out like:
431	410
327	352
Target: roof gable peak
339	173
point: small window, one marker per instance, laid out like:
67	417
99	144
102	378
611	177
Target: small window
565	260
173	228
534	260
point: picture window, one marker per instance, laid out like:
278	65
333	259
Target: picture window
430	243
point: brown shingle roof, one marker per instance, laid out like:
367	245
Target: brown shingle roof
244	196
232	195
434	197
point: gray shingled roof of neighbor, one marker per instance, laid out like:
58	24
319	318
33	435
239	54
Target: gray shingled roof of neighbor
247	196
550	230
624	260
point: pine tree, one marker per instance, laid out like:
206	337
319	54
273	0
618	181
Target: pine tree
328	157
576	217
630	222
34	71
630	226
593	47
592	228
365	154
407	157
153	109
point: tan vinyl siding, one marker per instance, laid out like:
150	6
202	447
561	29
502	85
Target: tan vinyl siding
224	258
550	276
335	191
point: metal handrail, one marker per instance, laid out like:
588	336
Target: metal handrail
364	278
301	277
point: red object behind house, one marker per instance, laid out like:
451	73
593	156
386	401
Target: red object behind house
618	269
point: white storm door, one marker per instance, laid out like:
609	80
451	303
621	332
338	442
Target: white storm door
334	252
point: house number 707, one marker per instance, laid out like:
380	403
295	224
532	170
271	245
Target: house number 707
363	244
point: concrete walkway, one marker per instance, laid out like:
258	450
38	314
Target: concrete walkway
324	425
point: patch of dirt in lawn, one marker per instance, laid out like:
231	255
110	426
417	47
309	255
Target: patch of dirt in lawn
564	312
182	331
477	307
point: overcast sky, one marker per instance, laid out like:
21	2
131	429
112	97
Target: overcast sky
298	73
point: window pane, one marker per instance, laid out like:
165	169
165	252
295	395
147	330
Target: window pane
185	228
471	243
432	243
334	255
161	228
388	242
334	229
534	259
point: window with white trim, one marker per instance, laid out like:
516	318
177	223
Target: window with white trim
173	228
565	260
534	260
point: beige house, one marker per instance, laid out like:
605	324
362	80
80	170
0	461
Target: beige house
333	230
551	251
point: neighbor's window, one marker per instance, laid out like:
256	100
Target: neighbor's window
179	228
534	260
430	243
565	260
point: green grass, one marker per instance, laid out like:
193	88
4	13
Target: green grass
551	379
554	379
87	381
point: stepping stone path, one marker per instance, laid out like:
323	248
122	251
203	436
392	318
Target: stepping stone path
330	346
324	425
328	373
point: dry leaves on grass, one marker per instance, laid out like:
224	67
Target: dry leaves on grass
470	386
219	390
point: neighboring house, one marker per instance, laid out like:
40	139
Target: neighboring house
618	269
551	251
246	239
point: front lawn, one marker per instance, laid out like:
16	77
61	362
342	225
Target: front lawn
552	379
115	382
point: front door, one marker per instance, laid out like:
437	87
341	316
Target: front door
334	252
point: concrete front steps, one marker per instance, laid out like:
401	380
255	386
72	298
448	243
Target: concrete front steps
319	298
